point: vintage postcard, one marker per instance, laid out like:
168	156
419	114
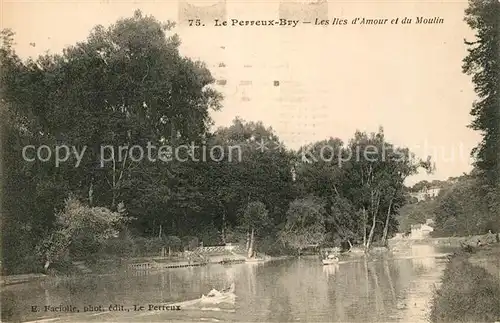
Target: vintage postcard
250	161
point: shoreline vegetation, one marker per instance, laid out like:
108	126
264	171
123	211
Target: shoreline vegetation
103	93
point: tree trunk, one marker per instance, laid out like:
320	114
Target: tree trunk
364	227
46	266
91	194
252	242
372	231
386	227
374	223
250	248
173	135
223	230
248	241
498	100
389	277
113	189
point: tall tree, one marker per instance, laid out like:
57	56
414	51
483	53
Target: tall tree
305	223
483	62
259	171
376	172
255	216
125	86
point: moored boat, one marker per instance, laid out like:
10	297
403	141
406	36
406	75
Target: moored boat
330	261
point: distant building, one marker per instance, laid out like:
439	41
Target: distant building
426	193
433	191
420	231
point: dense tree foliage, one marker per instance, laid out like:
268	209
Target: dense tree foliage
471	204
305	223
465	208
483	63
127	86
361	183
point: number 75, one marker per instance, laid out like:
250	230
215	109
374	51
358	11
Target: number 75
196	22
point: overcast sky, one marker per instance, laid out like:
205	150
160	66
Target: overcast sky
406	78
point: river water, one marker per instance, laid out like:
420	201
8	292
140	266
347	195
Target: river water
383	289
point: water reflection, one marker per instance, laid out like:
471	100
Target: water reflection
378	289
421	257
330	270
429	270
387	272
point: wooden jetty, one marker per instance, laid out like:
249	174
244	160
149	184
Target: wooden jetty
159	265
19	279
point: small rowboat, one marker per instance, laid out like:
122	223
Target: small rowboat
330	260
216	297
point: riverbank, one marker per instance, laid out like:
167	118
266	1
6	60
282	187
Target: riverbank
19	279
453	242
470	287
116	265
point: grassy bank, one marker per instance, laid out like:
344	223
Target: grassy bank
469	291
453	242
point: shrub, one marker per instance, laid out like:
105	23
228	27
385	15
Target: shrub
190	242
120	247
172	242
148	246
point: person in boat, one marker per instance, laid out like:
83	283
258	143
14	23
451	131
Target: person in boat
230	289
215	293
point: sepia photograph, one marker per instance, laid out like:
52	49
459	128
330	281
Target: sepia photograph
250	161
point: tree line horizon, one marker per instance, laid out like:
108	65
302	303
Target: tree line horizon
166	152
